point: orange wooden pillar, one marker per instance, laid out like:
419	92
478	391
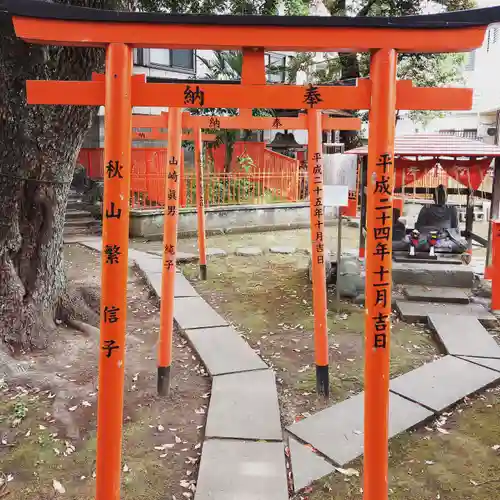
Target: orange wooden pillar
169	250
315	166
495	265
115	226
380	186
198	147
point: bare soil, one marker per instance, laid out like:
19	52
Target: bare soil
48	411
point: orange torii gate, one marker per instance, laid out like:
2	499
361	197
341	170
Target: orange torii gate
120	32
195	123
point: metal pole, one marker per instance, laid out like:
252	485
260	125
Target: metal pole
117	161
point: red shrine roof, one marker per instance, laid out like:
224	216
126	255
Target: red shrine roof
437	145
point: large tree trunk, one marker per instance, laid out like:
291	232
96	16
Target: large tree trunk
38	148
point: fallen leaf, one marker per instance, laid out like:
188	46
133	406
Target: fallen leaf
125	468
58	486
178	439
160	428
347	472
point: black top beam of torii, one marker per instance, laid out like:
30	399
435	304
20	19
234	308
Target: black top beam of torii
44	10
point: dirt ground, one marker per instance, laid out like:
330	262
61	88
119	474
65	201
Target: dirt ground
268	299
48	413
455	458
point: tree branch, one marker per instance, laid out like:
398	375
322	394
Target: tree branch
366	9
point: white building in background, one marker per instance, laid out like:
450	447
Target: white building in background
481	72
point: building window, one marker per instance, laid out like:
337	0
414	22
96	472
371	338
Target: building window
183	60
471	61
492	38
276	68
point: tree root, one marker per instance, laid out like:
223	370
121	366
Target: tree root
79	305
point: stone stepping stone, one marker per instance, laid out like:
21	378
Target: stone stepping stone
223	351
283	250
337	432
248	251
436	294
194	312
215	252
440	384
417	312
432	274
491	363
184	257
242	470
244	406
464	336
307	466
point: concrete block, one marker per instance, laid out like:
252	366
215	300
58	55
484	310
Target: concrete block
307	466
223	351
242	470
194	312
244	406
337	432
415	312
437	294
464	336
432	274
491	363
443	382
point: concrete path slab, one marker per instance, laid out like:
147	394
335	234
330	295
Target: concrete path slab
248	251
194	312
244	406
148	263
491	363
242	470
464	335
307	466
337	432
432	274
224	351
443	382
283	250
436	294
182	287
417	312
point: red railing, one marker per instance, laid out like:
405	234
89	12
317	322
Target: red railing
275	179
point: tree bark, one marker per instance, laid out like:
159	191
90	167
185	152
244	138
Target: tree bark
37	159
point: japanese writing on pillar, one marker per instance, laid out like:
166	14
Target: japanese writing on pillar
112	253
172	178
382	231
318	208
